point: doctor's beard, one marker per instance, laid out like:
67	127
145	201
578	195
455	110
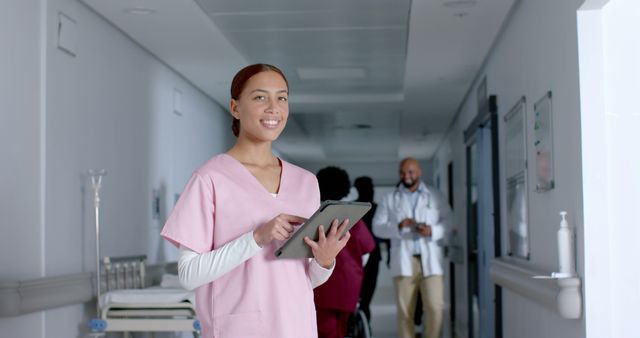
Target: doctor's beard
408	183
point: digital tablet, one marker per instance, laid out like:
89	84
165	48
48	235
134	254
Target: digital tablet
295	247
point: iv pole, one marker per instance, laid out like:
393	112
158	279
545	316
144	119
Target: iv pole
96	176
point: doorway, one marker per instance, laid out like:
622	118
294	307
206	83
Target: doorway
483	235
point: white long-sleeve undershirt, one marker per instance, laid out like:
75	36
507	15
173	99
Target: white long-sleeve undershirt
196	269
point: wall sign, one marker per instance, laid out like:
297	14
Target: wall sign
543	143
516	180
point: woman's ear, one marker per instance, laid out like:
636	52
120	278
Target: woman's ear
233	108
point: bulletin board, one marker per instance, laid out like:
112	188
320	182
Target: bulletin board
543	143
516	139
517	219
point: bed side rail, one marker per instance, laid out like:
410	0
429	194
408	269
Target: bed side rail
125	272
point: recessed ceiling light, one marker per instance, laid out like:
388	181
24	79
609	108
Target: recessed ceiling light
354	126
139	10
459	3
313	73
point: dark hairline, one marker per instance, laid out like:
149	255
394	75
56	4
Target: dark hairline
244	77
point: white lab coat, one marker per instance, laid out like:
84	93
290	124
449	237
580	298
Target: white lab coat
432	209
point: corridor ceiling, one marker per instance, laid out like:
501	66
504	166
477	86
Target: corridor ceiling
370	80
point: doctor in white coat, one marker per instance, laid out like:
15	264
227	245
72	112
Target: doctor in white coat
415	218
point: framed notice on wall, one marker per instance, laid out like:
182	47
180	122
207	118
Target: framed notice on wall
543	143
517	219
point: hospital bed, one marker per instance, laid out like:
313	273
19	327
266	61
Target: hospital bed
128	306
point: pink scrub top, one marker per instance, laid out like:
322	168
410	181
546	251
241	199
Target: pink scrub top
264	296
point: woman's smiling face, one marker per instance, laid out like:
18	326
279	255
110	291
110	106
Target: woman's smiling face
263	107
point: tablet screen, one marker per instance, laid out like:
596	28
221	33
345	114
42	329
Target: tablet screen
295	247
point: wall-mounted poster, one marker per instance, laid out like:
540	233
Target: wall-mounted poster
543	143
516	139
517	219
517	216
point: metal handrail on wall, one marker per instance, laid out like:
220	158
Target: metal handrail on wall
563	295
39	294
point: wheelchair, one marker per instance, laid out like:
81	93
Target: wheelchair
358	325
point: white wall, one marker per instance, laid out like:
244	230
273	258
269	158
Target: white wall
20	184
20	137
610	73
111	107
536	52
622	55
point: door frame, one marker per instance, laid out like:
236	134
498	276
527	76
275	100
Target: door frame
487	114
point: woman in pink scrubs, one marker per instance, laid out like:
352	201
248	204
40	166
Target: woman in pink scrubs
234	212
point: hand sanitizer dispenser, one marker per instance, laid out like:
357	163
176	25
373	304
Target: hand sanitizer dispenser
565	249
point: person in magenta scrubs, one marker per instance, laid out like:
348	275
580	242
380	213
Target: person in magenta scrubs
337	299
237	209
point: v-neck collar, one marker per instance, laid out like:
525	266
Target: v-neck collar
257	182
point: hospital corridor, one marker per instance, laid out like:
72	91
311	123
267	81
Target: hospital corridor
158	158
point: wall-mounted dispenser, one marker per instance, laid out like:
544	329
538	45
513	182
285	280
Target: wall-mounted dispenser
560	290
566	259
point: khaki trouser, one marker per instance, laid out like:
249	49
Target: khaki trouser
431	289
